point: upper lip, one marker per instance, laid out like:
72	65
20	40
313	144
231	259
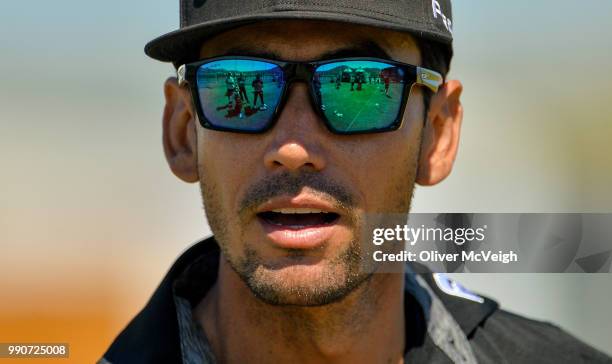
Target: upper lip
296	202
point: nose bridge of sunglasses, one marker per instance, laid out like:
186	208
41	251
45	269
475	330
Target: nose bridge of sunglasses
301	72
298	72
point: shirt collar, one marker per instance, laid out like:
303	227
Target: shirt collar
154	334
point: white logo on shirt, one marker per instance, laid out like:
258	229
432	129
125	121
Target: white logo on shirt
449	286
448	24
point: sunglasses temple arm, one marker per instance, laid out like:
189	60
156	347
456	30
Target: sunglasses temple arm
180	74
428	78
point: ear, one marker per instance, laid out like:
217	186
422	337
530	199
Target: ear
441	135
179	134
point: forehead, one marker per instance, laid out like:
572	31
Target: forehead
304	40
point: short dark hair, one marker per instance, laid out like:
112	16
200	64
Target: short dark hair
435	56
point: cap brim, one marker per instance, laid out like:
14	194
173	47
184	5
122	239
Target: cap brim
175	45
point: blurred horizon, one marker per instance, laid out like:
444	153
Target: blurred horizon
91	217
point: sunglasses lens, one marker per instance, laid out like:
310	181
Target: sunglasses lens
360	96
239	94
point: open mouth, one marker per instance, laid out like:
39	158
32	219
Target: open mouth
298	218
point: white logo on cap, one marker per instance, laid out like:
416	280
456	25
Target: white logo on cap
437	10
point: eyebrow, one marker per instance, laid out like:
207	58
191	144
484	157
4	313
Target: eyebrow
361	49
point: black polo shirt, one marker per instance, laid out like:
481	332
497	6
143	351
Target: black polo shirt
444	323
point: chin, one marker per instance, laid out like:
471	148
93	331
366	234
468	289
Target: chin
303	283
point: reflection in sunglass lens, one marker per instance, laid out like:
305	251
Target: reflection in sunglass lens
358	96
239	94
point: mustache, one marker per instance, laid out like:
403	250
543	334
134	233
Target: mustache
286	183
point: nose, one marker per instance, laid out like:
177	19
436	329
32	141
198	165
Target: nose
299	135
293	156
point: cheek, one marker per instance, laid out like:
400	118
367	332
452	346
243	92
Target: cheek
384	165
227	165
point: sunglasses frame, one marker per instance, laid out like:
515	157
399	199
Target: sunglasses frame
305	71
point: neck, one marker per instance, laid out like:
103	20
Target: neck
366	326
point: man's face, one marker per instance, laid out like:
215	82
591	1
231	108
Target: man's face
289	207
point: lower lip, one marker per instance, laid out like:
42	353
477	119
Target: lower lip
308	237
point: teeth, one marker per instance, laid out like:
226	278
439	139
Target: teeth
299	211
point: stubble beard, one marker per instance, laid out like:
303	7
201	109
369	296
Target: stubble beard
274	285
280	285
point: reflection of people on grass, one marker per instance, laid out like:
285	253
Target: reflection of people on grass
387	82
384	77
360	76
230	84
316	83
242	88
237	109
258	91
338	81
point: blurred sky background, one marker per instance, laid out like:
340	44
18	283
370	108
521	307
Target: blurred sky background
91	218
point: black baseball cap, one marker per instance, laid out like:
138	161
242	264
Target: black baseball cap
201	19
